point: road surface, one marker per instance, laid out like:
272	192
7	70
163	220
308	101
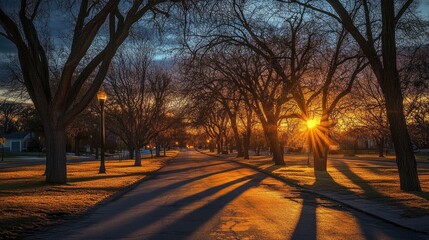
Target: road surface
201	197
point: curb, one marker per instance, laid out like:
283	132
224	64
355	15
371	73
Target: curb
287	181
115	196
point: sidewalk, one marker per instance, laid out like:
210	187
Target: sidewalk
386	209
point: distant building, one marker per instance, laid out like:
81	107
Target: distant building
19	141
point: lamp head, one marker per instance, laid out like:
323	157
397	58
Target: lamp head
101	95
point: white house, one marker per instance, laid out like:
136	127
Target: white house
17	141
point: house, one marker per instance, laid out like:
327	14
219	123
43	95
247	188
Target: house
18	141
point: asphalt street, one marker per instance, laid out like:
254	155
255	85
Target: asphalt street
200	197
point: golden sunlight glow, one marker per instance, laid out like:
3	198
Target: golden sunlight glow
101	95
311	123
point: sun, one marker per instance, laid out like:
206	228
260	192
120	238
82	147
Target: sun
311	123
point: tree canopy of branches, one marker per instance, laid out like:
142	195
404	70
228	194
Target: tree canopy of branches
311	53
10	113
138	109
377	40
99	28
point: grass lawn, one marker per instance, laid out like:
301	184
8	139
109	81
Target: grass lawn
364	180
28	203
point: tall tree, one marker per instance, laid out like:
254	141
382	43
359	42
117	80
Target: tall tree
336	67
59	97
386	72
375	33
137	109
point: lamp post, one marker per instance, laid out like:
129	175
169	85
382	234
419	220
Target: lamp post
102	96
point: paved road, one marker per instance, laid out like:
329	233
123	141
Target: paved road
201	197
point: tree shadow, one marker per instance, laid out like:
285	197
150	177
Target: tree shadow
193	221
371	192
183	225
324	180
191	168
273	168
310	203
306	227
363	184
103	176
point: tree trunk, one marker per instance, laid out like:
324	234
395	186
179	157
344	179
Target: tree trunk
130	152
380	145
246	146
138	158
275	146
56	162
320	154
238	142
76	146
405	158
319	145
258	149
391	87
164	151
158	151
355	146
247	135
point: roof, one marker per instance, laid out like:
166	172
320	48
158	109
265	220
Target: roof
15	135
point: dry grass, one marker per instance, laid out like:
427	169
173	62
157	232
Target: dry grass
28	203
355	178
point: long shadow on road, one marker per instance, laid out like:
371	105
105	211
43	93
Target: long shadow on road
191	222
161	213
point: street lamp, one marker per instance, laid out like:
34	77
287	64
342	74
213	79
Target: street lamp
209	144
102	96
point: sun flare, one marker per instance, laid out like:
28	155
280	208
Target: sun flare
311	123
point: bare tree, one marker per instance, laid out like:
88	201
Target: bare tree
415	84
283	48
377	40
386	72
137	109
10	113
336	67
371	113
212	117
59	97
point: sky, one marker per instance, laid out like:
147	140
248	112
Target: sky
59	26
